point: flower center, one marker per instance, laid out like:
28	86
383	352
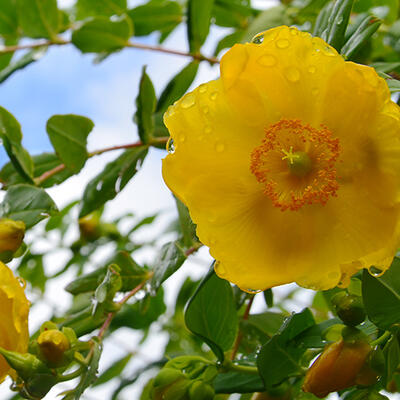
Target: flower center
296	164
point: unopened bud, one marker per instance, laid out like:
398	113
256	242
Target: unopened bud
201	391
167	376
11	237
53	344
349	308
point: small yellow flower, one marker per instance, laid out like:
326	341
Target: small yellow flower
14	308
289	164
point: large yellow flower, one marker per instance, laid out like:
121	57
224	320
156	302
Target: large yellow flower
14	308
289	163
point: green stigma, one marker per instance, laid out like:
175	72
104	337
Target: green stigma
299	162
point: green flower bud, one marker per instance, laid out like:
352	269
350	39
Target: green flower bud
349	308
201	391
53	344
26	364
167	376
39	385
178	390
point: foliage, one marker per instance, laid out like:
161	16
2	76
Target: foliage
216	346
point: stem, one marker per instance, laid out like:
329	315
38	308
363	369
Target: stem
111	315
48	174
72	375
193	249
246	369
240	334
133	45
380	339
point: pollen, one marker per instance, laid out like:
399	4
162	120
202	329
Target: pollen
296	164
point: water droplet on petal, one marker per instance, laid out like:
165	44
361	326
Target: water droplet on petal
282	43
22	282
252	291
328	51
293	31
170	111
213	95
312	69
219	147
203	88
170	146
188	101
267	60
292	74
258	39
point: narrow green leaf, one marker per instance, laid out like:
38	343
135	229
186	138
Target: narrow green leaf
387	9
362	34
31	269
177	86
384	66
321	23
337	23
198	23
145	107
115	370
27	203
8	17
393	85
106	8
188	228
280	356
169	260
381	296
39	18
153	16
232	13
392	358
269	297
11	135
228	41
22	62
211	314
101	34
68	135
112	179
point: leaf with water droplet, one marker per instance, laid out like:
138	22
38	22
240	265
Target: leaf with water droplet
121	170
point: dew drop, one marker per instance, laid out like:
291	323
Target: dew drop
312	69
328	51
171	146
292	74
203	88
267	60
22	282
252	291
213	95
188	101
170	111
219	147
282	43
374	271
258	39
293	31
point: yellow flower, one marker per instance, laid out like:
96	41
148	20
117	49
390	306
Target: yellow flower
289	163
14	308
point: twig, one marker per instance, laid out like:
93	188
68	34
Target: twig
240	334
48	174
134	45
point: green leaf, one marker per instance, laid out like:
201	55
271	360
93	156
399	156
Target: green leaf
109	286
280	356
131	274
232	13
112	179
161	16
8	17
236	382
359	38
385	67
39	18
27	203
141	314
188	228
387	9
177	86
113	371
392	358
68	135
145	107
106	8
101	34
11	135
31	269
268	297
169	260
22	62
393	85
381	296
198	23
211	314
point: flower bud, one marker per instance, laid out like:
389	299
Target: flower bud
53	344
337	367
89	226
201	391
11	236
167	376
349	308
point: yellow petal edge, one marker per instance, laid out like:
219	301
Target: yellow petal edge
236	139
14	309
